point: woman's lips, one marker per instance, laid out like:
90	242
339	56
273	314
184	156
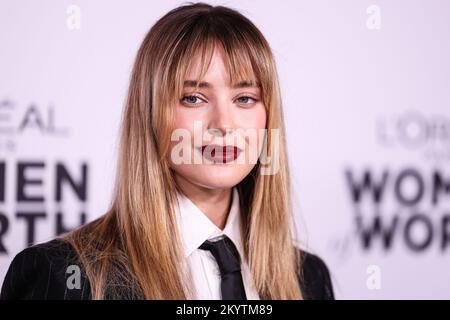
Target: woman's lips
221	154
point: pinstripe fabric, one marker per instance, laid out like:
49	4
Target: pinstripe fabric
39	272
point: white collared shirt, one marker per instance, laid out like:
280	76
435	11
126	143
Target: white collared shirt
195	228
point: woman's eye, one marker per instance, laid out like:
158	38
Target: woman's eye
191	99
246	100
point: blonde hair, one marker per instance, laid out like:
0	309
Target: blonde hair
135	249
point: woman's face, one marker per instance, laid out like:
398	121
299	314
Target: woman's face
218	128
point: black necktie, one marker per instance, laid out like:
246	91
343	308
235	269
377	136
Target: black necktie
227	257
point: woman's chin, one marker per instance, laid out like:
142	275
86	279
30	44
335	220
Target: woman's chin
218	176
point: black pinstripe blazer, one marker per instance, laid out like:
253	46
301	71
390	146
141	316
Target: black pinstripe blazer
40	272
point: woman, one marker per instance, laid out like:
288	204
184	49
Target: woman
194	214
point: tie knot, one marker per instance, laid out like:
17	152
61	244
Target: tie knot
225	253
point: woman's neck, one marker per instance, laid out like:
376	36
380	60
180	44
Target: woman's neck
214	203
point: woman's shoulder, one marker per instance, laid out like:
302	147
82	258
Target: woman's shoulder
49	270
315	280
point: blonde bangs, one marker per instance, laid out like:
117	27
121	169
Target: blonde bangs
246	59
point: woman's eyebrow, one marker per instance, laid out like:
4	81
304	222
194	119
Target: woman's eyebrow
203	84
193	83
248	84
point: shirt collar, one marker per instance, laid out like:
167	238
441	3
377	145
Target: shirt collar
195	226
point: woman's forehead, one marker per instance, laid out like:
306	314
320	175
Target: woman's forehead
217	64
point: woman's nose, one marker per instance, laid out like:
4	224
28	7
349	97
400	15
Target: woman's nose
221	119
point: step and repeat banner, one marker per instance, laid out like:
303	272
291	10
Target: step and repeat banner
366	97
